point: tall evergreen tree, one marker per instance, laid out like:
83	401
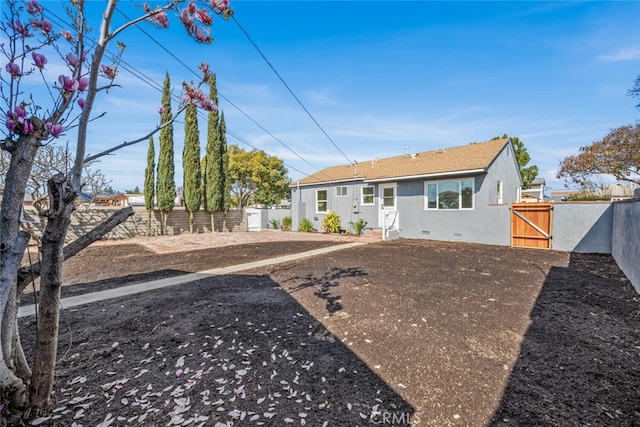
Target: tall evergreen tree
166	186
191	164
225	182
211	202
149	179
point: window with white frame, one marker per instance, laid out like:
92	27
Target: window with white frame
321	201
367	195
499	192
341	191
449	194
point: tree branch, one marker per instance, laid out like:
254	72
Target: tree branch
26	274
135	141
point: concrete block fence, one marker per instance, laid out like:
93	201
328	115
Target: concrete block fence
143	223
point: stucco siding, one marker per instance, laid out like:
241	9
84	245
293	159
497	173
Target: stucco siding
582	227
348	207
626	239
485	223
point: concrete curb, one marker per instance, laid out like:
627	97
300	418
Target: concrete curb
29	310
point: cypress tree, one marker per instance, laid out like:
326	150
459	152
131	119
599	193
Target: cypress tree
166	186
211	202
191	163
224	186
149	180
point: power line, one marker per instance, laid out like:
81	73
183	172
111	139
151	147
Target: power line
159	87
289	89
220	94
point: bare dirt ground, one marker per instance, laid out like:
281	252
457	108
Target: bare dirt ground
402	332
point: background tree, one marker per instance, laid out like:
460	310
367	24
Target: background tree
211	171
617	154
635	90
166	186
192	184
224	184
150	179
32	121
256	177
528	173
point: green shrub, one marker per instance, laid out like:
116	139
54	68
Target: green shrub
305	225
275	223
331	223
358	226
286	223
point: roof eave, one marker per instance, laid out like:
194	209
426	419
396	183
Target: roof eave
428	175
335	181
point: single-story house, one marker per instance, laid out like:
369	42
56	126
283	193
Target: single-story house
456	193
534	193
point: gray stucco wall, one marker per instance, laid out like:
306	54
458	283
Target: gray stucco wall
486	223
349	207
582	227
626	239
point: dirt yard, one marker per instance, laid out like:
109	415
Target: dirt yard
402	332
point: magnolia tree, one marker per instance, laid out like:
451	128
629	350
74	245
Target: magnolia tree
31	122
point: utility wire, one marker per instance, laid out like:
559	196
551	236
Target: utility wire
289	89
181	62
159	87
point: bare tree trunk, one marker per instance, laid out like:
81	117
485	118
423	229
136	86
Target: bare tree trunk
190	222
46	345
12	389
12	247
213	224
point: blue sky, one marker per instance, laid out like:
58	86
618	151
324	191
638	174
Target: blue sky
385	77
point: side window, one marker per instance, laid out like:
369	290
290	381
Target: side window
341	191
499	192
449	194
321	201
367	196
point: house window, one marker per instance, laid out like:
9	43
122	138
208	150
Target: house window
367	196
321	201
341	191
450	194
499	192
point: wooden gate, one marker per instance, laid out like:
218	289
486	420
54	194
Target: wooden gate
531	225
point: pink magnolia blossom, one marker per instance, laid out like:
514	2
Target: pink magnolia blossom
11	125
161	19
39	60
206	72
203	16
13	69
109	71
192	7
203	36
72	59
219	5
54	129
20	28
44	25
67	35
161	110
83	83
18	113
33	7
27	127
69	84
81	102
207	105
187	19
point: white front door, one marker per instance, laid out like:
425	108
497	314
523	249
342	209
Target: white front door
388	217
